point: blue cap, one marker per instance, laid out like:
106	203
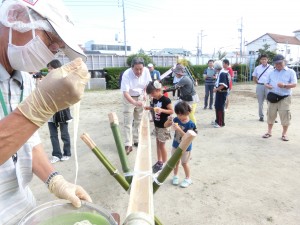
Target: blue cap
278	58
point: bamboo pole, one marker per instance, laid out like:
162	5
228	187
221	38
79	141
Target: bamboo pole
111	169
114	124
171	163
140	208
122	181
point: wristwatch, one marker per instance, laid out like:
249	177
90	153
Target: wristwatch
284	86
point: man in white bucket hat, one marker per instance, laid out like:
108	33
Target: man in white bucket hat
31	32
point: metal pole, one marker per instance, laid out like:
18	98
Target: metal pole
197	61
201	45
201	41
241	44
124	27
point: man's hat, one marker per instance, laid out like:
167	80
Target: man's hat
179	69
59	18
278	58
150	65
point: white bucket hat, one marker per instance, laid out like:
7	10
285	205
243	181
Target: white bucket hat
59	17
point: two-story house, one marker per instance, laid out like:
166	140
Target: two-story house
288	46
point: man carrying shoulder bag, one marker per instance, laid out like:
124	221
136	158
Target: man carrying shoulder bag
259	78
280	82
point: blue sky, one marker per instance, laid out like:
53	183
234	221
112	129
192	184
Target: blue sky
160	24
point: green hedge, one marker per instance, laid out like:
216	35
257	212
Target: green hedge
112	74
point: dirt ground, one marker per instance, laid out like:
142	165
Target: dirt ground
239	178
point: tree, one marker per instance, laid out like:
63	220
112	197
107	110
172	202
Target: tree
141	51
221	55
146	58
265	51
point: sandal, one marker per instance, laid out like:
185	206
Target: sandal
267	135
284	138
128	149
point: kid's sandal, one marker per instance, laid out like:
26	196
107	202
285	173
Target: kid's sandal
267	135
284	138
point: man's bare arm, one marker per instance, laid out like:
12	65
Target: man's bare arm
15	130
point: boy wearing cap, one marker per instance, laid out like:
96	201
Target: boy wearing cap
280	82
28	42
155	74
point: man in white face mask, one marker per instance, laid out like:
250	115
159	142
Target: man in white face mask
31	32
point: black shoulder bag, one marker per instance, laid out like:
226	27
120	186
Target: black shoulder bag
263	73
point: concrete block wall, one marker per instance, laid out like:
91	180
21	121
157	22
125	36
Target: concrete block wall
96	84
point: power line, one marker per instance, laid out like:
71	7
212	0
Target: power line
90	3
143	5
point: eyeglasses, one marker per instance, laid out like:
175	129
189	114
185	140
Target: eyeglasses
48	36
53	46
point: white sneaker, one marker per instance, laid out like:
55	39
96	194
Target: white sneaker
185	183
217	126
175	180
65	158
54	159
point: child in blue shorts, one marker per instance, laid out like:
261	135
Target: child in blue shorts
181	124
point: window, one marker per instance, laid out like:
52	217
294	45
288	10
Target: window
110	47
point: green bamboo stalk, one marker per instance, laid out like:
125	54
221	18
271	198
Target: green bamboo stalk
111	169
114	124
171	163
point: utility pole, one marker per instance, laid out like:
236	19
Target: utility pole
124	27
197	59
199	49
286	48
241	42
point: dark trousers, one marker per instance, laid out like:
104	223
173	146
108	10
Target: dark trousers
174	91
209	92
220	106
65	137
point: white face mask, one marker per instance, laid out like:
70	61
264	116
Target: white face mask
31	57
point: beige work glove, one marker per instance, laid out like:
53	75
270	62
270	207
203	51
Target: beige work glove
60	89
65	190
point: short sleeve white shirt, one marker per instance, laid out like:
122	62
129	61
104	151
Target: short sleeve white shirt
260	70
135	85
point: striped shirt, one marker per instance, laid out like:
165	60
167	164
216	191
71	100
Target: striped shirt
286	76
16	198
209	73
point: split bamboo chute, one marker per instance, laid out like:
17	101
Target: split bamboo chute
120	179
140	209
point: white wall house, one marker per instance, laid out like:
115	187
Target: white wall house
288	46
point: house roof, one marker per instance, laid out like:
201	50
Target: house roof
282	39
175	50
